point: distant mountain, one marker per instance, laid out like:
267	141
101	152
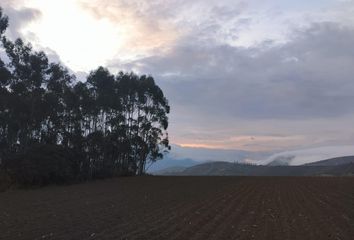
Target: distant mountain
341	170
170	171
181	159
208	155
188	156
219	169
231	169
168	163
333	161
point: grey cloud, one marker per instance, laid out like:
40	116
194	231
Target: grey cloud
210	20
301	88
19	18
310	76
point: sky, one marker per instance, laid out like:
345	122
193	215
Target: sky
271	75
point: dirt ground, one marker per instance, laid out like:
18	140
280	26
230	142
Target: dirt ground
183	208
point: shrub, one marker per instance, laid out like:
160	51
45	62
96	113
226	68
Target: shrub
5	181
45	164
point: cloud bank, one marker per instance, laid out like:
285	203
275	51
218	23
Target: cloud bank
307	78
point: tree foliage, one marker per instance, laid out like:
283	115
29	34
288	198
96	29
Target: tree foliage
116	123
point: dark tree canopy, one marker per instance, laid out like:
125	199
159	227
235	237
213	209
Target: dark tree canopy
116	123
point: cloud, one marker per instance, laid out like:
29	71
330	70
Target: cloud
154	27
301	79
307	78
145	26
19	17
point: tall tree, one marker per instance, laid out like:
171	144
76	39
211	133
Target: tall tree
5	77
146	110
117	123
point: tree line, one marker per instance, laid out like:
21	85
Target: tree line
109	125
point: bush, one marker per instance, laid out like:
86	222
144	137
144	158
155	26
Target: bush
45	164
5	181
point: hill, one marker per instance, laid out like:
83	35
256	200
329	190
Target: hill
170	163
306	156
231	169
333	161
170	171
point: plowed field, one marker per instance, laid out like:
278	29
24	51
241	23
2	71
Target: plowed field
183	208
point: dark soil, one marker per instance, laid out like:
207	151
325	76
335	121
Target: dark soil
183	208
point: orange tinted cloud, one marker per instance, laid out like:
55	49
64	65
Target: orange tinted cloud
144	32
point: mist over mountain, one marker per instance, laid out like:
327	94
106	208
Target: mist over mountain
306	156
232	169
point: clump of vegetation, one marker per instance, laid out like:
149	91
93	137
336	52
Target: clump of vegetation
55	129
46	164
5	181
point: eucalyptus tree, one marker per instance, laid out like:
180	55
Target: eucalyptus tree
116	124
28	71
5	77
58	105
145	108
33	90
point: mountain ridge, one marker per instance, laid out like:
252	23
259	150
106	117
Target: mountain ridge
235	169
